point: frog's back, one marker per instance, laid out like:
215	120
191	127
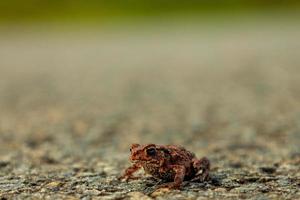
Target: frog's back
180	154
180	150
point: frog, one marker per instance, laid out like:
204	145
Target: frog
170	163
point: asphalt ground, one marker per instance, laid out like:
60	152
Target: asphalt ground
73	101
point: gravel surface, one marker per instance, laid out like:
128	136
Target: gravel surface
72	103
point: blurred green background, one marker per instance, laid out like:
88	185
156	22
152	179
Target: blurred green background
118	10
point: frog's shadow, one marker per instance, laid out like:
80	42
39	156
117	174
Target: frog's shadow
152	184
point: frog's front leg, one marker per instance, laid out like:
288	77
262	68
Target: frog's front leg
202	168
128	174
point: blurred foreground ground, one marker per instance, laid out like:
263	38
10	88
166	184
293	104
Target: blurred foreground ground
72	102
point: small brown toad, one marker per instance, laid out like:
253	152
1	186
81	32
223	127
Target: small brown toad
167	162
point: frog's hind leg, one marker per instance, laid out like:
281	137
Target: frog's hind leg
201	168
178	179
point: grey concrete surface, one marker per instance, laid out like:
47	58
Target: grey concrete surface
72	103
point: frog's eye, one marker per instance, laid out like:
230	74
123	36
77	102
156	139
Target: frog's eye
151	152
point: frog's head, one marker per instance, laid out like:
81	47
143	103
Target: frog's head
145	153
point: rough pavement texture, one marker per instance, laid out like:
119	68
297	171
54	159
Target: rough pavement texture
71	105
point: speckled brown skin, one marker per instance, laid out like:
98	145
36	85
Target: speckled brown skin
167	162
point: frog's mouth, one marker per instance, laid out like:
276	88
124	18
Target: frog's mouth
145	161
